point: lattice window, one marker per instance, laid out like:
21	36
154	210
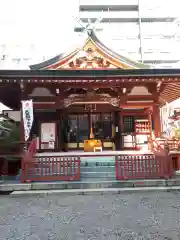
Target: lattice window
83	127
102	125
72	128
128	122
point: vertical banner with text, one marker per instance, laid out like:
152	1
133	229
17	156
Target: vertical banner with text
28	117
167	111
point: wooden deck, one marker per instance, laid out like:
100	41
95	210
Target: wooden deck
83	154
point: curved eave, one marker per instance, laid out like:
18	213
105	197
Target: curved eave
50	62
63	58
115	55
169	75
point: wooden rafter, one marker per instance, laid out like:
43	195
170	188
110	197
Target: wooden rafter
171	91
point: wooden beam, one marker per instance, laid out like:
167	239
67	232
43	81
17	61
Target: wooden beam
39	105
170	95
171	88
42	98
140	97
136	105
65	95
130	113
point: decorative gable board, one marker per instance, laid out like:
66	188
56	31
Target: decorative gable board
89	57
93	55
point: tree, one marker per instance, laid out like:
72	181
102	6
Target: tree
10	141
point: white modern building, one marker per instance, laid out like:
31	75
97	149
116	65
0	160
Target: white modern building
143	30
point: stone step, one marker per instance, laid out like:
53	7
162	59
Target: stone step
97	159
105	175
97	163
87	184
98	169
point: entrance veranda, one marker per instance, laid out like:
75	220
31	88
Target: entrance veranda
68	129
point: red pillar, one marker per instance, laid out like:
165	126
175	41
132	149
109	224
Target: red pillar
22	97
177	162
150	128
21	131
157	121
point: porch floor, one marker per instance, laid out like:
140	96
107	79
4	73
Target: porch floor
83	154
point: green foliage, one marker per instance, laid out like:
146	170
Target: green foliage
10	143
14	132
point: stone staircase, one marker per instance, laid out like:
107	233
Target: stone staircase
98	169
96	172
94	169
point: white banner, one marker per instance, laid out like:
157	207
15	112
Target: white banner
167	111
28	117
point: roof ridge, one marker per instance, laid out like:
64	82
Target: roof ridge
94	37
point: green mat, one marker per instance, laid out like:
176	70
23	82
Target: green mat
98	159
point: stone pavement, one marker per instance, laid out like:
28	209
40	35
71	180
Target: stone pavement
11	186
120	216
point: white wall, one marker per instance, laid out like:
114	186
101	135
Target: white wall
14	115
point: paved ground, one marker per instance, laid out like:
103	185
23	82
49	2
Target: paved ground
127	216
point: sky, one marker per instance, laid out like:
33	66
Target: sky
25	21
49	24
29	21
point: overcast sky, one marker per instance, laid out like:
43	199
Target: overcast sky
49	24
36	20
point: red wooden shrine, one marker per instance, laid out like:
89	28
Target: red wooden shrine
92	88
92	91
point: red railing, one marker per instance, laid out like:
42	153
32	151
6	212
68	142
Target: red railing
28	157
172	144
161	149
142	166
52	169
33	147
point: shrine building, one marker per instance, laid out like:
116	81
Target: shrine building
92	92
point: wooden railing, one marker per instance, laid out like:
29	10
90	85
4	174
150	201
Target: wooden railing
171	144
68	168
161	149
61	168
28	157
144	166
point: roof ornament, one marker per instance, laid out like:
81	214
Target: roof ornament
90	26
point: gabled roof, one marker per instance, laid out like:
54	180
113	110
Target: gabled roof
94	54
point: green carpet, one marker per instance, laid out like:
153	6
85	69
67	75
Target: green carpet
98	159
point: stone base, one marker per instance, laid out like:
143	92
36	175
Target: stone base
177	172
10	186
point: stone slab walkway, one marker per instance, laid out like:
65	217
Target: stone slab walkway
10	186
137	216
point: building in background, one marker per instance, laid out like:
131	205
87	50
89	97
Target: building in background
143	30
146	31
